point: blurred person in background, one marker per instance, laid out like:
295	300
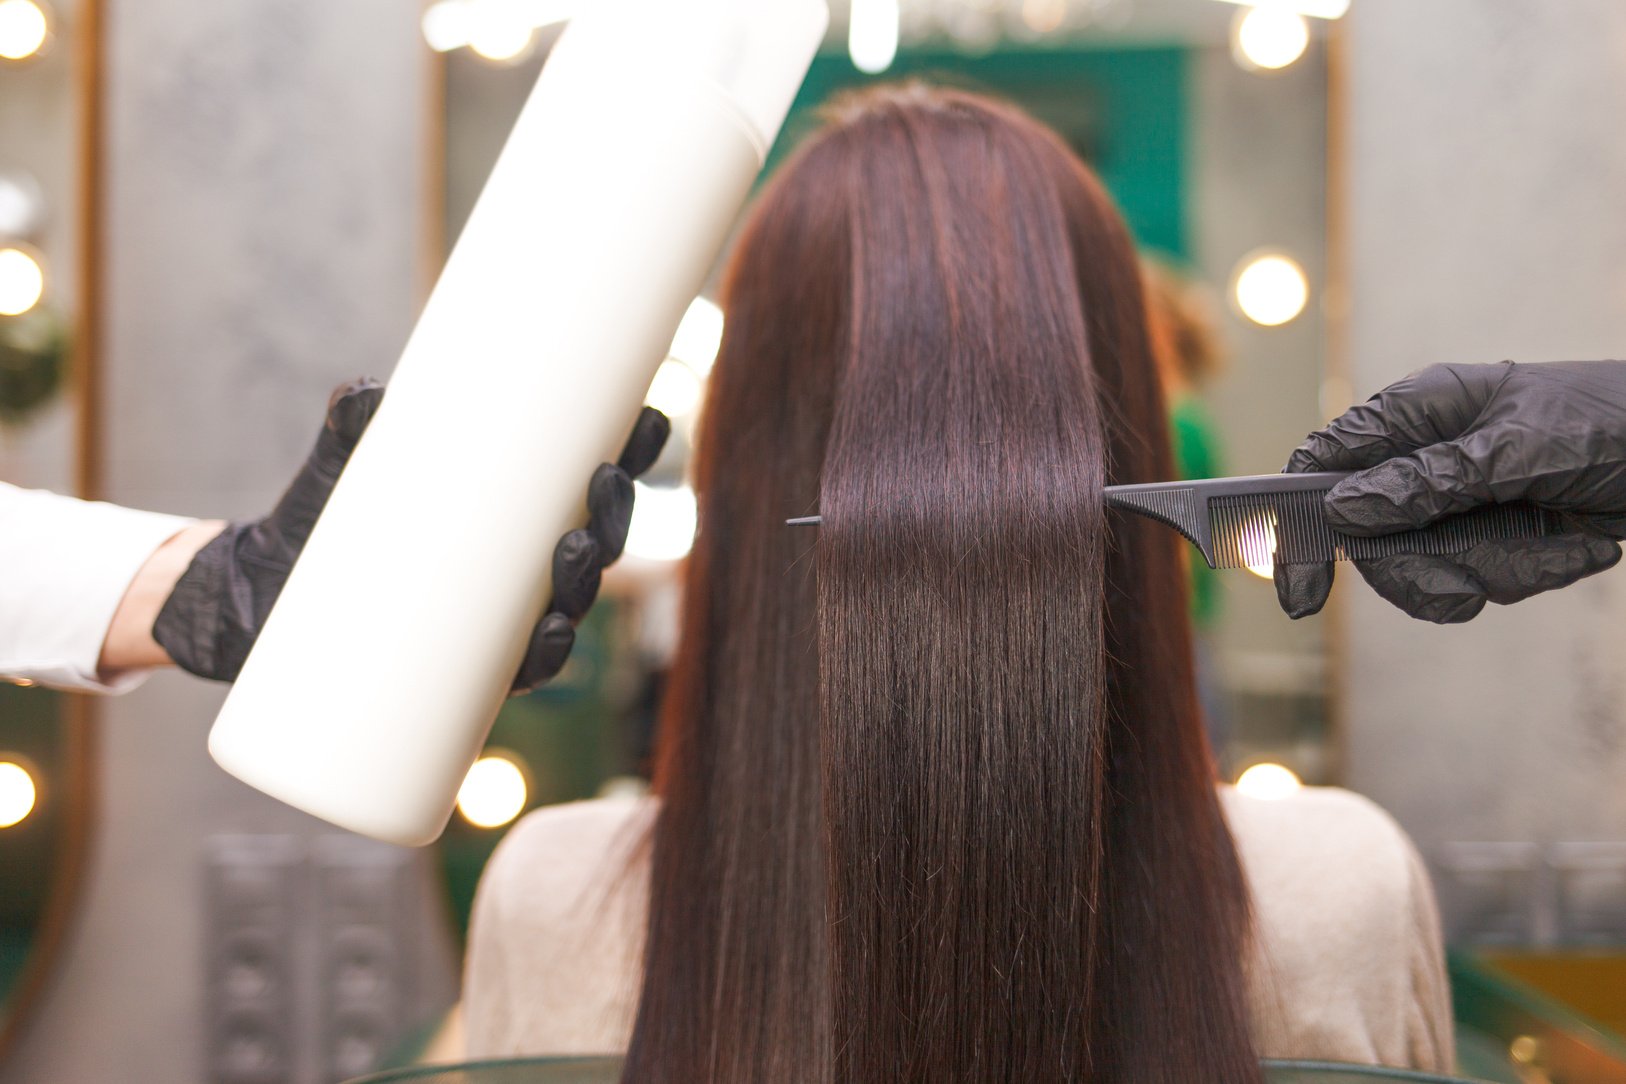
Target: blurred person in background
932	797
1185	339
94	597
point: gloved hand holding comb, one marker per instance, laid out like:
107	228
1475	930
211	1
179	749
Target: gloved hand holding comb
1452	438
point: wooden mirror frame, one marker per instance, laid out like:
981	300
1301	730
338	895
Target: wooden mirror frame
78	772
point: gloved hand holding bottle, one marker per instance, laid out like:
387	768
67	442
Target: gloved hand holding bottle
1454	437
210	620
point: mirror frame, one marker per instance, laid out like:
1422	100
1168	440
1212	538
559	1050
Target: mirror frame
77	777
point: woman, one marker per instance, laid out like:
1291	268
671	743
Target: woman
933	798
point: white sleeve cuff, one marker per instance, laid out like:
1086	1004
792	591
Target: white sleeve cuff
65	566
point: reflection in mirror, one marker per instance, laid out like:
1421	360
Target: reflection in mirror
1209	124
44	736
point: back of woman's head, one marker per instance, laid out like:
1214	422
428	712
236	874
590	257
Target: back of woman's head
936	802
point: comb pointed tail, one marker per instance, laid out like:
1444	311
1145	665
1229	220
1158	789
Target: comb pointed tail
1172	504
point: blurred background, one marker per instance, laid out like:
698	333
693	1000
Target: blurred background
211	213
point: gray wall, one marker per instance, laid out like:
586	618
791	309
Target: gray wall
1486	170
265	203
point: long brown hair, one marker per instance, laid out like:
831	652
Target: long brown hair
936	803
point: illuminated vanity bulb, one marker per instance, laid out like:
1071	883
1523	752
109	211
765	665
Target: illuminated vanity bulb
24	29
663	522
446	25
1271	289
1044	16
499	30
699	336
22	204
22	281
17	794
872	35
1269	38
1268	782
493	793
676	390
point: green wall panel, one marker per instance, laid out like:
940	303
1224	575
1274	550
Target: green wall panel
1124	110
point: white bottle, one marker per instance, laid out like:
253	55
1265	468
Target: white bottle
385	660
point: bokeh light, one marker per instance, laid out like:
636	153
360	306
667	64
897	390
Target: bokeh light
676	389
699	336
446	25
17	794
663	522
22	204
1271	289
22	280
1044	16
24	29
872	35
500	30
1269	38
494	791
1268	782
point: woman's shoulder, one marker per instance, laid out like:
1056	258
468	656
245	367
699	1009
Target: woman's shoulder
555	826
1347	956
557	931
1314	824
1324	865
559	845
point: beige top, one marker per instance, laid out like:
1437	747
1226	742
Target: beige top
1346	964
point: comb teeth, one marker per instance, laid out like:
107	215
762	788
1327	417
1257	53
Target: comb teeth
1255	530
1261	529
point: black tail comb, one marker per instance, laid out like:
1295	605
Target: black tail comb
1265	519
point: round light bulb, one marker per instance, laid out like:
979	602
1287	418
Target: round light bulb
699	336
872	35
1269	38
493	793
663	522
1268	782
499	30
1044	16
446	25
1271	289
676	389
22	204
22	281
24	29
17	794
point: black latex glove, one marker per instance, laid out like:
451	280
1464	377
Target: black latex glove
222	600
1454	437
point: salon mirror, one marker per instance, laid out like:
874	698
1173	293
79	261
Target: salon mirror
46	738
1212	136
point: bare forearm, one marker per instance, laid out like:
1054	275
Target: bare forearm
129	644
